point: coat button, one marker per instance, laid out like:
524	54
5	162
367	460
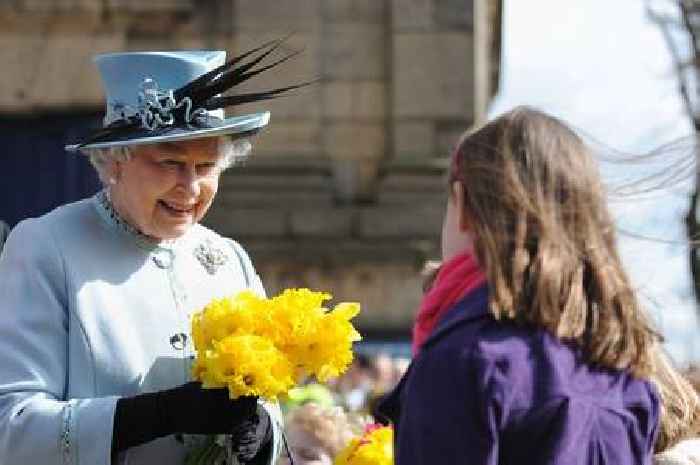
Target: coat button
178	341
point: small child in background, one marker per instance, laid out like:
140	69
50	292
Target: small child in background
355	387
317	434
530	345
383	369
310	393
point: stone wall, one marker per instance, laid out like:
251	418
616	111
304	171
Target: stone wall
345	189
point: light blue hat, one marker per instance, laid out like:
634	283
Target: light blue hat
171	96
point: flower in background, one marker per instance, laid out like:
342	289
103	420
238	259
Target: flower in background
374	447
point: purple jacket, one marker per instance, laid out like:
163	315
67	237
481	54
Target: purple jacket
485	392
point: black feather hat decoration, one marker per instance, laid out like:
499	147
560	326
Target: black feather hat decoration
186	111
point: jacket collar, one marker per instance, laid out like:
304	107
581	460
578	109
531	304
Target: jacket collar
473	306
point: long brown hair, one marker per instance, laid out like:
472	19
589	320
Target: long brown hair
545	238
680	404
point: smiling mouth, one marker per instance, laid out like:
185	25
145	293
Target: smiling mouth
176	209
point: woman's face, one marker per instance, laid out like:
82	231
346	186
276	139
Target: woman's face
163	189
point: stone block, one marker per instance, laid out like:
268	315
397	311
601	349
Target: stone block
384	276
370	11
38	24
280	17
433	75
369	100
316	222
407	199
355	180
17	56
454	14
50	72
352	140
334	253
171	42
417	166
59	6
406	222
413	182
356	151
412	15
275	199
425	189
213	19
448	135
353	51
247	222
71	58
286	183
414	138
206	24
160	6
358	100
288	138
432	15
238	179
337	99
389	294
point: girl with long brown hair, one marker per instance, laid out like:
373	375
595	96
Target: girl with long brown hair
530	346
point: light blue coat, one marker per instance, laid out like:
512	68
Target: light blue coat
88	311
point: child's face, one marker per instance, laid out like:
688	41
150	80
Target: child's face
456	234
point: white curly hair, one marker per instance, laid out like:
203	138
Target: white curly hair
230	150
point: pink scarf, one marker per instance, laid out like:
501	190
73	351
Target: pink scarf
456	279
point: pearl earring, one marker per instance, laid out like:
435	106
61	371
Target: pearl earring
113	181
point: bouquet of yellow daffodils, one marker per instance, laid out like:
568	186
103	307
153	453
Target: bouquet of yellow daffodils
374	447
264	347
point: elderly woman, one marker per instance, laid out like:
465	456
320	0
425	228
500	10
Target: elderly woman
96	296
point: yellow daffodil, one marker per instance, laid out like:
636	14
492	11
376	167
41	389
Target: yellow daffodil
375	447
223	317
248	365
263	347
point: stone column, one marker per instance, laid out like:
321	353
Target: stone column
354	42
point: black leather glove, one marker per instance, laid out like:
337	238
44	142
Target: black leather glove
193	410
251	436
184	409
